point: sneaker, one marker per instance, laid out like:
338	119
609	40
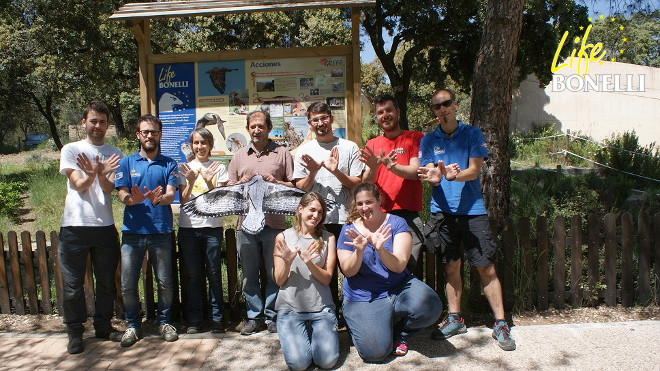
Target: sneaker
400	348
217	328
168	332
272	327
193	328
130	337
112	335
252	326
449	327
75	345
502	334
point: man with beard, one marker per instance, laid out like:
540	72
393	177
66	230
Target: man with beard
147	183
392	164
89	228
328	165
273	162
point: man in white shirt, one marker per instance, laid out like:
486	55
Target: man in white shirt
89	228
328	165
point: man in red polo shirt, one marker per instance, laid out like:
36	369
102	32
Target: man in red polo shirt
391	163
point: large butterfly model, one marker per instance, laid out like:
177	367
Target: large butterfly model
254	199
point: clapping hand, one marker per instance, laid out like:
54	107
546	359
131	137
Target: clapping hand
311	252
358	241
209	172
310	164
388	160
110	165
333	161
434	175
382	234
284	252
86	165
369	158
187	172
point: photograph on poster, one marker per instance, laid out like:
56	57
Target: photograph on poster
337	87
337	73
218	78
265	84
314	91
306	82
238	102
336	103
235	142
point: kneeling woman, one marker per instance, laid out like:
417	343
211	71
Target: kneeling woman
383	303
304	260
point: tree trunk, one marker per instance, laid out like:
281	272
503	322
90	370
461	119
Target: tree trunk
491	100
47	112
115	109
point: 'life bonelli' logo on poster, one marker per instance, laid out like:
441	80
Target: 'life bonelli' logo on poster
166	79
579	60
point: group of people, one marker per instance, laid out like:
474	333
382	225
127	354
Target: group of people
361	210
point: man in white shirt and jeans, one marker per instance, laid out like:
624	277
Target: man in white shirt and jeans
89	228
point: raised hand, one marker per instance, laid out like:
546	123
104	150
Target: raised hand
284	252
209	172
310	164
86	165
451	171
358	241
388	160
369	158
382	234
187	172
136	195
155	195
311	252
109	166
333	161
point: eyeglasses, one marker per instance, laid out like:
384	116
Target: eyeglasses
445	104
318	119
145	133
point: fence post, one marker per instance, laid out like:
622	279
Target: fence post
44	278
526	253
576	261
30	284
559	271
644	254
542	246
233	288
509	256
5	308
593	226
627	290
656	234
610	259
54	243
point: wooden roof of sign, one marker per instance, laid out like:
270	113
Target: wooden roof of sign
138	11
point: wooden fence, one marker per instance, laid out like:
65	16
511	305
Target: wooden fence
604	263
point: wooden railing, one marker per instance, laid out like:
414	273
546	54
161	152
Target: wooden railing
604	263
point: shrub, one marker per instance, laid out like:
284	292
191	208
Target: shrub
11	197
624	153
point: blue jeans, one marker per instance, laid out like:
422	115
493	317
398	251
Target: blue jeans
202	246
374	325
102	243
252	248
308	337
133	249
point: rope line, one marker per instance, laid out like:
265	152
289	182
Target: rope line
611	168
613	147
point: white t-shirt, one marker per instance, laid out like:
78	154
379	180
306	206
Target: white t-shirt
327	184
192	221
92	207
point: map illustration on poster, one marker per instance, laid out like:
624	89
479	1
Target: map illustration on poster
219	95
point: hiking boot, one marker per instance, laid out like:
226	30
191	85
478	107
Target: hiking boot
502	334
272	327
168	332
449	327
217	328
252	326
130	337
75	345
112	335
193	328
400	348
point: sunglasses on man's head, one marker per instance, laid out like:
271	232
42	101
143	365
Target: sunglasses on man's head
445	104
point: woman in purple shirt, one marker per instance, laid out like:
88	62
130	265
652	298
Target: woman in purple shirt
383	303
